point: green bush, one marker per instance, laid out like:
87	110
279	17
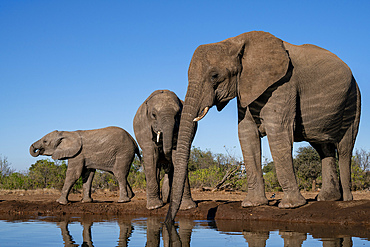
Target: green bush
47	174
136	177
14	181
104	180
271	182
207	177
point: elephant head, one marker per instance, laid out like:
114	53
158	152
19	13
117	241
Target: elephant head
243	67
159	118
58	144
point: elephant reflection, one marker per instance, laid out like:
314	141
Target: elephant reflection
154	230
169	233
258	238
124	235
293	238
333	242
256	234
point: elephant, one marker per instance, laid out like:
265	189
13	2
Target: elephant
289	93
110	149
156	126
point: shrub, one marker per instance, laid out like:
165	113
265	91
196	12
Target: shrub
207	177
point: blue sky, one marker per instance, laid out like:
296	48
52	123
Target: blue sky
72	65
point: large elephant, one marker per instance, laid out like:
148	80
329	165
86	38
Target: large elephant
156	125
289	93
109	149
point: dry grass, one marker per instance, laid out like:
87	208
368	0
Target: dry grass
30	192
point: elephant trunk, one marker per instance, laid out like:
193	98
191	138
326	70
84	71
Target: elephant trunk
185	137
34	150
168	128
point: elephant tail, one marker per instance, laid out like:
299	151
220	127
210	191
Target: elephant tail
137	151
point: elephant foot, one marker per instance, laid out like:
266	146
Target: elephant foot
87	200
347	196
154	204
123	199
253	200
187	204
292	200
62	201
326	195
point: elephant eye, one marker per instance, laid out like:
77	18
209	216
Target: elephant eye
154	116
214	77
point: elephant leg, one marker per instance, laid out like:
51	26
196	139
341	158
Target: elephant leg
187	202
166	188
130	193
281	146
87	178
278	118
330	183
120	171
150	158
250	143
74	171
345	148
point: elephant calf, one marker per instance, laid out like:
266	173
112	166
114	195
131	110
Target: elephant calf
156	125
110	149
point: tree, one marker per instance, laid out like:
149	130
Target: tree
360	170
215	171
307	166
362	159
5	169
200	159
14	181
47	174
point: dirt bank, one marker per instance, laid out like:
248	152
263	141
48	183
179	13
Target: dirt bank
211	205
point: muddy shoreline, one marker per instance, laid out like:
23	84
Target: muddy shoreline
211	206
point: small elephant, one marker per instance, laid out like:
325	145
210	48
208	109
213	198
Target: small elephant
289	93
156	126
110	149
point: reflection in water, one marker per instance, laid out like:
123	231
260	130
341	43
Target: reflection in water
154	230
255	239
293	238
255	233
125	227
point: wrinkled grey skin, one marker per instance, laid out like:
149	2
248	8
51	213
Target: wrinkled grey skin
156	126
289	93
110	149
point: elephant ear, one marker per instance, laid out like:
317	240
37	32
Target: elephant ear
142	127
264	61
68	144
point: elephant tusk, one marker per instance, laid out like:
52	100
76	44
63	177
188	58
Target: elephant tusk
204	112
158	135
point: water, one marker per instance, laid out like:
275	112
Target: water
104	231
